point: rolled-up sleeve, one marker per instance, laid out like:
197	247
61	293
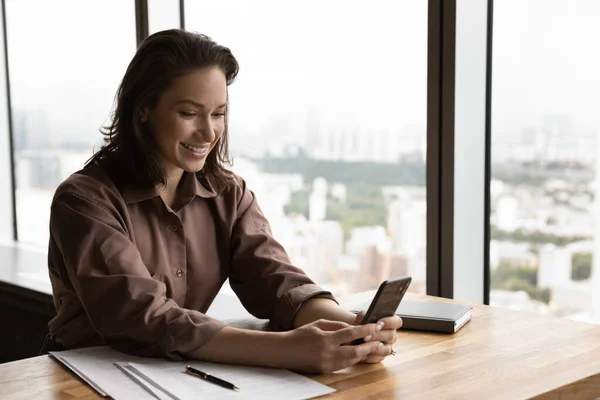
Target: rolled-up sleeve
261	274
125	305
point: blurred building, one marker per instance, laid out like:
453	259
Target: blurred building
407	224
572	297
339	192
555	266
316	247
407	229
46	169
32	130
507	213
317	201
518	300
514	254
371	245
354	143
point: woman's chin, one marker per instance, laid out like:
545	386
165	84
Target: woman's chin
193	167
191	164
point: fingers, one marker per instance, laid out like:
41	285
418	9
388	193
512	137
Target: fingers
327	325
379	355
350	333
371	352
393	322
387	336
359	352
359	317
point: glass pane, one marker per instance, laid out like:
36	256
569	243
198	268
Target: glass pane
66	60
545	188
328	127
162	15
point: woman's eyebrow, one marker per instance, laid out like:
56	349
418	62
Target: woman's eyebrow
197	104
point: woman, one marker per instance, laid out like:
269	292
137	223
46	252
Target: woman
144	236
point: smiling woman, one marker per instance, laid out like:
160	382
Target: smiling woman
174	82
143	238
187	123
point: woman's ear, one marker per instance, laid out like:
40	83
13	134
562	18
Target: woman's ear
144	114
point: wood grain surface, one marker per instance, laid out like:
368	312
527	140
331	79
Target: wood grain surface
499	354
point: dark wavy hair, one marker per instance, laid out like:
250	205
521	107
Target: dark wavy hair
129	148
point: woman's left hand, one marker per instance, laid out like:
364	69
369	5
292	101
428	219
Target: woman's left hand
387	335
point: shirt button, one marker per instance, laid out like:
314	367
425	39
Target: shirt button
173	228
179	273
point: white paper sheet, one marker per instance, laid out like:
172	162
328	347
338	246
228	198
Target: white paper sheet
140	379
82	376
254	382
121	376
95	366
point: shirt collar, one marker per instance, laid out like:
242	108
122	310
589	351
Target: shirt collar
133	193
191	185
202	186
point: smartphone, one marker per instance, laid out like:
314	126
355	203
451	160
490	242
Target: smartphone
386	301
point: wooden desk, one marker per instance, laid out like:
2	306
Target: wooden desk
500	354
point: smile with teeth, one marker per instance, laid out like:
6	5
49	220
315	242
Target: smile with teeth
195	149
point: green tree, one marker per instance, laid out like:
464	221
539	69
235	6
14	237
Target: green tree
521	179
376	174
365	207
504	272
582	266
536	237
298	203
507	277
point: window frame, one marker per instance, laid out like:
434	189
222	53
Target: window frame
8	232
488	155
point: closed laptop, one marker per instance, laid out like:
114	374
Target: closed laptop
432	316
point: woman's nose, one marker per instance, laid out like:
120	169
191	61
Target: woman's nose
205	130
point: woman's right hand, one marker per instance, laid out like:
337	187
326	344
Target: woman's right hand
323	346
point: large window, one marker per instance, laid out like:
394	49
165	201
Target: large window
328	127
545	182
66	59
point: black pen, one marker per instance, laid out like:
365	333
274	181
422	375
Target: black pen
208	377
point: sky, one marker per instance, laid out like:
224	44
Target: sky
342	62
293	58
67	58
546	60
356	66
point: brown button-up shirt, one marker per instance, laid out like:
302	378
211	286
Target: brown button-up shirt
130	271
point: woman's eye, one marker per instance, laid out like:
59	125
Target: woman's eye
219	115
187	114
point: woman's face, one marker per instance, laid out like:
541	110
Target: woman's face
189	119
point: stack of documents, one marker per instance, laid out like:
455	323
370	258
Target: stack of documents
121	376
